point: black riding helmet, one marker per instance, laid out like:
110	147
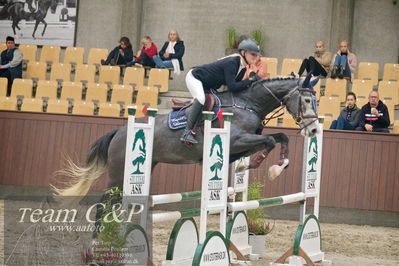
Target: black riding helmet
249	46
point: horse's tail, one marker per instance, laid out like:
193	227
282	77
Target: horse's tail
83	177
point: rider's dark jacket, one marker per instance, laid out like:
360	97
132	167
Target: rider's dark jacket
226	71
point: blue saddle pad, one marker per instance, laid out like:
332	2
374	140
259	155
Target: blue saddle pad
177	119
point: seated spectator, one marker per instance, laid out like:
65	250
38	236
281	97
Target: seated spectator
145	55
349	117
171	53
10	63
344	62
374	116
260	68
120	55
319	62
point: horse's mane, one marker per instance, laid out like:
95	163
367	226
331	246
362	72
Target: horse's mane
277	79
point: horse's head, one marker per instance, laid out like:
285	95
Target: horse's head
53	6
301	104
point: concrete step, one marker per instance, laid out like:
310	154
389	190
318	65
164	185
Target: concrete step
165	100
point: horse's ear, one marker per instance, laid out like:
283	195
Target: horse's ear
314	82
305	83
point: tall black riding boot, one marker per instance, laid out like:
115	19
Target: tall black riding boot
193	115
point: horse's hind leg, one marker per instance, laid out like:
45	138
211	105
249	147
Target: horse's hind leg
34	30
45	26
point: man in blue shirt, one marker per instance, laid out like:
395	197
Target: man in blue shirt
11	63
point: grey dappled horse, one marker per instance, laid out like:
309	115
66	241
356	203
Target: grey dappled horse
249	107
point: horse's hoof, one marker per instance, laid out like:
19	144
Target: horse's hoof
241	167
274	171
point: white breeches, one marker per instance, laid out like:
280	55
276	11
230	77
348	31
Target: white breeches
195	87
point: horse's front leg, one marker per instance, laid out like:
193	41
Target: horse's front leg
13	28
16	24
275	170
261	155
45	26
252	143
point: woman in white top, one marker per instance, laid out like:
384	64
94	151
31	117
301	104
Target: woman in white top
171	54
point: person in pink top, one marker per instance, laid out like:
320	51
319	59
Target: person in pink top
145	55
260	68
344	62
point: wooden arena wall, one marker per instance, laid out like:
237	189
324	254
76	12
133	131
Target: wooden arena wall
359	170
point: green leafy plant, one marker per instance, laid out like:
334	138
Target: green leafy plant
257	217
260	227
231	38
257	35
110	248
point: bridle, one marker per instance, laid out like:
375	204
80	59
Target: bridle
299	116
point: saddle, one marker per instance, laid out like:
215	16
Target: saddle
210	101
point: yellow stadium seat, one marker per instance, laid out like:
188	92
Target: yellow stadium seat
8	103
83	108
288	121
146	96
396	127
134	76
327	122
391	72
3	46
389	90
74	55
32	105
272	123
391	108
362	87
329	106
22	87
97	92
50	54
336	88
109	109
109	74
95	56
368	71
60	72
361	101
85	73
36	70
57	106
3	87
46	88
159	78
29	52
122	93
290	65
271	66
71	90
317	88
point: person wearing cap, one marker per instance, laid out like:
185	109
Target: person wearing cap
227	71
11	63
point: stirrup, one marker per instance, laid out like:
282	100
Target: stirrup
188	137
